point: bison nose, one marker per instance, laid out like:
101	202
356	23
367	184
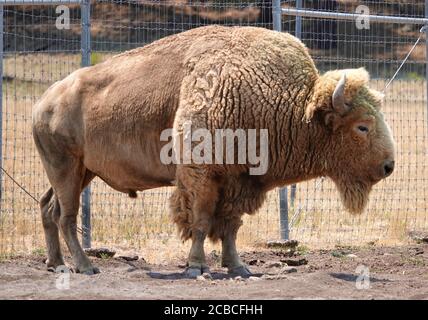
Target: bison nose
388	167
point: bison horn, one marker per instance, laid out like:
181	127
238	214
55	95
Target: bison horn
339	96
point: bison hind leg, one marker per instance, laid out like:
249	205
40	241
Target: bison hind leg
49	207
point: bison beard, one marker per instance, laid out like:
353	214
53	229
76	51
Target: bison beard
354	195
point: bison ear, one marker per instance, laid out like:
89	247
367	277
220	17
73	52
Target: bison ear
332	120
338	97
378	98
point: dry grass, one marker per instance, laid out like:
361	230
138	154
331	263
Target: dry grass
397	205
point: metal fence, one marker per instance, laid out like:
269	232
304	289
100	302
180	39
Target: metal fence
43	43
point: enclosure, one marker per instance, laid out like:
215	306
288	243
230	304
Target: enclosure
44	42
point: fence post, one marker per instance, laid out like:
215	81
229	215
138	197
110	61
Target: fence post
1	104
283	192
299	20
283	214
298	33
85	8
276	15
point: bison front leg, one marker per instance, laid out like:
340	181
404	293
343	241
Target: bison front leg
202	211
230	258
196	264
194	205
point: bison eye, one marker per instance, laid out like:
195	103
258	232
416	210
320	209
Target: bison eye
363	129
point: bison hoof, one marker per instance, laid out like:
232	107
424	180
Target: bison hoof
88	271
241	271
194	272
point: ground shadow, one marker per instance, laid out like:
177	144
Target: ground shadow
352	277
183	276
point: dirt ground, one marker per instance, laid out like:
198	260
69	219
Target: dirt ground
341	273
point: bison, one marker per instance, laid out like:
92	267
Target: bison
106	120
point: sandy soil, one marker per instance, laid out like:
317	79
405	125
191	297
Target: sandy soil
394	273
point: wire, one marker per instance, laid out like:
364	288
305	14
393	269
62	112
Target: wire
19	185
29	194
423	29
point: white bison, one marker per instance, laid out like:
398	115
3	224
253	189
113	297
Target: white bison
106	121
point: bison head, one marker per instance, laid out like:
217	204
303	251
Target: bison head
359	148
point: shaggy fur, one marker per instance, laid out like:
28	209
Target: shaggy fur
268	80
106	121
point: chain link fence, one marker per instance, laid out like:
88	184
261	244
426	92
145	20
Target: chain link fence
40	48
